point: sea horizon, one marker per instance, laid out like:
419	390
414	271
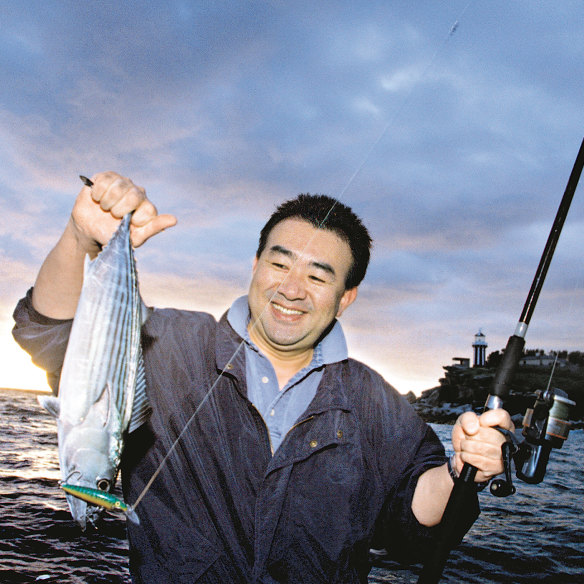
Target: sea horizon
39	391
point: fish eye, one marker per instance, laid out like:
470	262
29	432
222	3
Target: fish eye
103	485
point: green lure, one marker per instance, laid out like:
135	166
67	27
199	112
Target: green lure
102	499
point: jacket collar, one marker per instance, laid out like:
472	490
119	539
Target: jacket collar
230	360
229	350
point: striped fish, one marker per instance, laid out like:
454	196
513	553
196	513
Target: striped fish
102	393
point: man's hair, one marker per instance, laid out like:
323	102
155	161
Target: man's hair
326	213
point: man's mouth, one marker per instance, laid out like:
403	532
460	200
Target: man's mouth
287	311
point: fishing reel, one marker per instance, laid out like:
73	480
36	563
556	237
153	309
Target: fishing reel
545	426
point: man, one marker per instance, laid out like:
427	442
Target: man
295	458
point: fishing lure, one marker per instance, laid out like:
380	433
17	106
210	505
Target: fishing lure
101	498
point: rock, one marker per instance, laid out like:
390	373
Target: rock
410	397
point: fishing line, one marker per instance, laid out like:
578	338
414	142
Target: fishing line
571	310
552	373
351	180
404	102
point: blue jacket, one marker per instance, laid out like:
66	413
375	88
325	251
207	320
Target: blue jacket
223	509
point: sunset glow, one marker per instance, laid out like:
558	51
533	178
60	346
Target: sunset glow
452	143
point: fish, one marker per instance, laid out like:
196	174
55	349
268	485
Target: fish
102	389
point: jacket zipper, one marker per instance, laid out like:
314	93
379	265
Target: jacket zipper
298	424
265	428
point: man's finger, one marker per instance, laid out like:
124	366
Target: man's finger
153	227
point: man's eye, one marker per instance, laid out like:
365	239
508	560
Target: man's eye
317	279
278	266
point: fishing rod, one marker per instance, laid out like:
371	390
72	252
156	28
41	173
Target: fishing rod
545	425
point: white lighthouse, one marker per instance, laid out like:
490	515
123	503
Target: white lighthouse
480	350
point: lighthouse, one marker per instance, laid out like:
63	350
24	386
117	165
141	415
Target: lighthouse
480	350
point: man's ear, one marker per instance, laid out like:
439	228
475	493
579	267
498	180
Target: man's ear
347	299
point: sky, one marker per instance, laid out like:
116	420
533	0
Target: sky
451	128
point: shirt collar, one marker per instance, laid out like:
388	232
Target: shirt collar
331	349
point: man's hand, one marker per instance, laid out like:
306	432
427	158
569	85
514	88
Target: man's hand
98	210
476	441
96	214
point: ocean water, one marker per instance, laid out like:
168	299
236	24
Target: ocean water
536	535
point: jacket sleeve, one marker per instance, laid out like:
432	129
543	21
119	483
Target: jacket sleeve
412	448
44	338
398	530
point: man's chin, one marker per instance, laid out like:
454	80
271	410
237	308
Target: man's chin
285	341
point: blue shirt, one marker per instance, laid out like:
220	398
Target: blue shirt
281	408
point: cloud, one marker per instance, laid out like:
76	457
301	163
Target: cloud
205	293
454	147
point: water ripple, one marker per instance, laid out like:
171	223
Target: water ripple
535	536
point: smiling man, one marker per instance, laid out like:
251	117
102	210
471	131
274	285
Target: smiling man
296	459
297	290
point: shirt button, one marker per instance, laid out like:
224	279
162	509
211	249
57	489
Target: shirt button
272	412
265	379
339	433
313	443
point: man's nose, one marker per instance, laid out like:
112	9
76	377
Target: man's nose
292	286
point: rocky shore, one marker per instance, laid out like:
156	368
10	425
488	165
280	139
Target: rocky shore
466	389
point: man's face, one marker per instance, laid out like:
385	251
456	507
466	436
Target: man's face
298	287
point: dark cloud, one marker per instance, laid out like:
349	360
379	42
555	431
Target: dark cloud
453	143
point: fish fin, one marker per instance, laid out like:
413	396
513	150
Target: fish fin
145	312
140	407
86	264
51	404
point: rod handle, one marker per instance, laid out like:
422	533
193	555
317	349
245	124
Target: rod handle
507	367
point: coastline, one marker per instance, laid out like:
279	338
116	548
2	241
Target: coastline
27	391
